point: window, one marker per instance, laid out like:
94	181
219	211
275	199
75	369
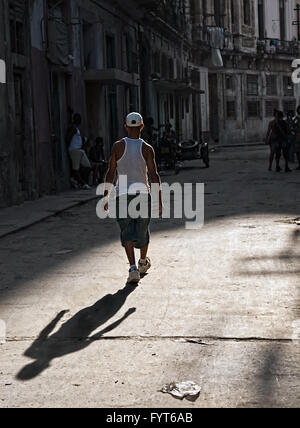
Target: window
232	12
252	85
288	87
156	63
187	104
179	70
261	19
113	112
219	6
271	83
195	75
131	56
289	106
247	12
231	110
229	82
165	66
253	108
270	106
282	17
171	107
16	22
110	51
171	68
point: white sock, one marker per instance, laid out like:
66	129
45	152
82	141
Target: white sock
143	262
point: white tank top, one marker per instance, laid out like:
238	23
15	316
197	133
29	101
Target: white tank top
133	166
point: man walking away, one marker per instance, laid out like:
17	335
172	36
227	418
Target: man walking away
282	131
297	144
77	154
273	141
133	158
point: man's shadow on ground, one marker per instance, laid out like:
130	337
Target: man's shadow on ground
74	335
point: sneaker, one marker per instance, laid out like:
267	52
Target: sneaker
134	277
143	268
288	170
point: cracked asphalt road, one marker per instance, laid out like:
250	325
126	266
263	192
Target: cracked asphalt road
77	336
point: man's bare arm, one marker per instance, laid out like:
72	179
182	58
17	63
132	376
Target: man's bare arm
111	173
154	175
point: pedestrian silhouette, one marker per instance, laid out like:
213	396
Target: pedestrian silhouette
74	335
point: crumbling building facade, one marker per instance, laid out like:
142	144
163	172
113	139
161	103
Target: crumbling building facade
252	75
208	67
99	58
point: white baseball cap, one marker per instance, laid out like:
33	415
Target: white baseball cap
134	120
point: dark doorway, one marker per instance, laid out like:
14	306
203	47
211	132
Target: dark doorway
20	129
214	107
93	102
59	121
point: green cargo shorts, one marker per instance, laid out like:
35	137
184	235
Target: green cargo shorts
134	230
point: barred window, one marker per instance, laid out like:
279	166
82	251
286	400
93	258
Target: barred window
271	82
289	106
253	108
288	87
252	85
271	105
231	110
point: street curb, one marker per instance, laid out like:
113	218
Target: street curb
47	216
232	146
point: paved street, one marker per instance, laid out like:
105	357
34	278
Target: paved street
77	336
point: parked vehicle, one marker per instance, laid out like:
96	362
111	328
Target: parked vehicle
193	150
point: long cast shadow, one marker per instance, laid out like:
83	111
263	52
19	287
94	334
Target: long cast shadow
74	335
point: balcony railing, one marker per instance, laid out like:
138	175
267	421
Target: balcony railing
278	47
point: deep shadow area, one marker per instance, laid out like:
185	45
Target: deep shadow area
74	335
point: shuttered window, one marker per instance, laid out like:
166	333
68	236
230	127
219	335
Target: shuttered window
271	82
252	85
288	86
